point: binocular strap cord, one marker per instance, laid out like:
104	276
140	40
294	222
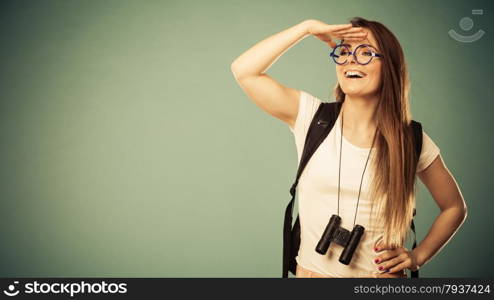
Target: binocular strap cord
339	169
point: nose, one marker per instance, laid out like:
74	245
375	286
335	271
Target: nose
351	59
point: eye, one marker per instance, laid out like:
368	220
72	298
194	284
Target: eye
367	53
343	52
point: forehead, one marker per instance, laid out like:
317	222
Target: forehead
369	39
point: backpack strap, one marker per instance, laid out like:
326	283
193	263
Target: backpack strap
417	140
322	123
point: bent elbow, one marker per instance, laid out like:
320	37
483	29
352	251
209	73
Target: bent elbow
464	211
237	73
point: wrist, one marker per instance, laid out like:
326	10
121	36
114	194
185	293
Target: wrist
419	259
307	24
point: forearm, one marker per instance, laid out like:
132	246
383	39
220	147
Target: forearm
262	55
442	230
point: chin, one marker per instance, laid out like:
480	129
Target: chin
356	91
353	91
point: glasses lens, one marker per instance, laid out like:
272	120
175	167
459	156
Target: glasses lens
364	54
340	54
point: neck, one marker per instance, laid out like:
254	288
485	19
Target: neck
359	113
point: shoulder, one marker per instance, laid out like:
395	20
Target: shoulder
429	152
307	107
309	99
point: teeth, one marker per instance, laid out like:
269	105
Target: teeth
354	73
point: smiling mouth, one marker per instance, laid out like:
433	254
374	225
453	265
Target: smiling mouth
354	74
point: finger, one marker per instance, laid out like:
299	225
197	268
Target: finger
340	27
399	267
348	33
387	265
354	39
350	30
343	33
331	44
385	256
344	39
389	275
397	274
353	35
381	247
349	36
333	30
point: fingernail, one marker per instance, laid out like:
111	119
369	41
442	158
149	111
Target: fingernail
376	260
380	268
376	249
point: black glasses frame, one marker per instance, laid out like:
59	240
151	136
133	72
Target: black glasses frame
336	56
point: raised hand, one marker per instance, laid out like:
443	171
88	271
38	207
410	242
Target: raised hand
328	33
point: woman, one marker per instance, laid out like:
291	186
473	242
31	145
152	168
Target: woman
365	169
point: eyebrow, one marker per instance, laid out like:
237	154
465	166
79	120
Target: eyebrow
350	46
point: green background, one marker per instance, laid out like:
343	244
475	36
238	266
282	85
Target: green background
128	149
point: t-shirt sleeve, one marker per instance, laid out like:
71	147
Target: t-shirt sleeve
429	152
307	107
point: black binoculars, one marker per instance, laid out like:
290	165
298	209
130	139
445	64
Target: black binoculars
341	236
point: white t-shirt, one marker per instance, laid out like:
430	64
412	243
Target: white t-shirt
317	193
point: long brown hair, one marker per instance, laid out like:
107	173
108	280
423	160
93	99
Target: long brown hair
395	163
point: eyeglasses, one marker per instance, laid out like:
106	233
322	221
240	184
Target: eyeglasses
363	54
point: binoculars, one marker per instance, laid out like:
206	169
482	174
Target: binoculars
335	233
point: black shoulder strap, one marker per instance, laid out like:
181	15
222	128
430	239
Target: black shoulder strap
417	140
417	137
322	123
